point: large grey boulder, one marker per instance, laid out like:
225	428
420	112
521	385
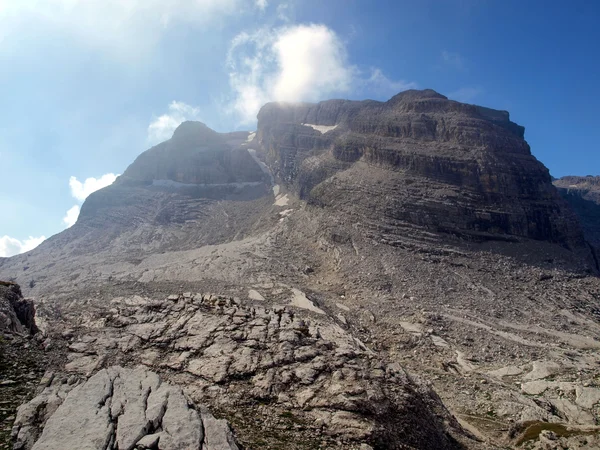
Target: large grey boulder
119	409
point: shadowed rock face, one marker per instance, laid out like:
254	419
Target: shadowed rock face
16	313
583	194
418	159
195	155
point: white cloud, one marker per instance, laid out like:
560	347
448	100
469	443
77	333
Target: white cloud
295	63
261	4
71	216
124	26
80	190
10	246
466	94
162	127
301	62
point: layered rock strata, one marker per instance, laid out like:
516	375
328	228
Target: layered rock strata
418	160
583	194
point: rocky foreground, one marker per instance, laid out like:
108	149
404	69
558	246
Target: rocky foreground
386	275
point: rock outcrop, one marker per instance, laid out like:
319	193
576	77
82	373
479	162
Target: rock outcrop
310	372
16	313
117	408
418	160
22	358
583	194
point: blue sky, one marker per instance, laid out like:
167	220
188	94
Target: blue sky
87	85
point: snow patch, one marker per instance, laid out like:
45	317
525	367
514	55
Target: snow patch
251	136
320	128
282	200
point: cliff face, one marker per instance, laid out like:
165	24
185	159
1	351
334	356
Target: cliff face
421	160
583	194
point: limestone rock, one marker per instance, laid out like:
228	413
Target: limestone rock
583	194
118	408
418	159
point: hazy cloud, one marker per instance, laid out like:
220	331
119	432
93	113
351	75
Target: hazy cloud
123	26
10	246
466	94
161	128
453	60
261	4
382	85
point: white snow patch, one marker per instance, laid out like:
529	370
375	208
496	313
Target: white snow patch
251	136
321	128
286	212
301	301
282	200
276	190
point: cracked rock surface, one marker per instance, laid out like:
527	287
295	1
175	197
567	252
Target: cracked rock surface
118	409
233	358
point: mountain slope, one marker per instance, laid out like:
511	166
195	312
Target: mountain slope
343	239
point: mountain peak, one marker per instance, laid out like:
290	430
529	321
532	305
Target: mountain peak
416	94
195	131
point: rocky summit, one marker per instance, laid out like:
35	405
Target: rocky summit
353	275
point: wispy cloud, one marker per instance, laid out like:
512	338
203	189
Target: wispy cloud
261	4
10	246
121	26
162	127
382	85
81	190
453	60
466	94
